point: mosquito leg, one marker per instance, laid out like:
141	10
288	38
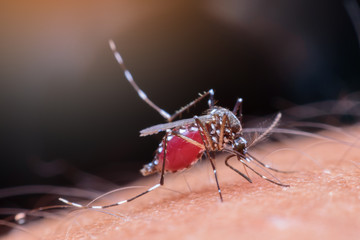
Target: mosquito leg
110	205
208	139
203	130
144	97
130	199
164	158
238	108
187	106
215	174
246	172
234	169
211	101
130	79
224	120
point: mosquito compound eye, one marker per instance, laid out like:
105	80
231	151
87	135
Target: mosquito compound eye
240	145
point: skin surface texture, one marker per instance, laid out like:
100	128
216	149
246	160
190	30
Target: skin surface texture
322	202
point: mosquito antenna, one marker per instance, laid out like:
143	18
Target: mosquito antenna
268	130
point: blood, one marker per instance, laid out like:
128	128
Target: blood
181	154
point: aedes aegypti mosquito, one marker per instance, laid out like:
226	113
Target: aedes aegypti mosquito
187	140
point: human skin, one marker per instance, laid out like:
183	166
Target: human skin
322	202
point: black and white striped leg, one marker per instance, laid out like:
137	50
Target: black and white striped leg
192	103
215	174
130	79
238	108
110	205
211	101
145	98
203	131
205	135
164	158
130	199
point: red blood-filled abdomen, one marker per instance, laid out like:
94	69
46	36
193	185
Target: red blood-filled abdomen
180	153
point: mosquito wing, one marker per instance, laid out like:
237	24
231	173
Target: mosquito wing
163	127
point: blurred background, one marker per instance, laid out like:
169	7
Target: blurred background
67	114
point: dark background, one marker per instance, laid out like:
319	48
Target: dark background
67	114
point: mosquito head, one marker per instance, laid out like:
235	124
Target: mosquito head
240	145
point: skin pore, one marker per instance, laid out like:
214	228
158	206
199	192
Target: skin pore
322	202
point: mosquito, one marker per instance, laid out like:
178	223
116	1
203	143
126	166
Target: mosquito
187	140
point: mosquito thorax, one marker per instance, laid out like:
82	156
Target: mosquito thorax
235	124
